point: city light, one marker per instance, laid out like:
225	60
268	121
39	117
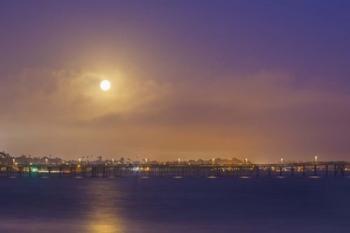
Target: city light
34	169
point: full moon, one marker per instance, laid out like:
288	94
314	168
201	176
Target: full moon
105	85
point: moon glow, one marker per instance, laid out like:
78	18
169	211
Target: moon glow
105	85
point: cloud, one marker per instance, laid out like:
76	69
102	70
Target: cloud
263	115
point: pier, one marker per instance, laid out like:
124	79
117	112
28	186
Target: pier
81	170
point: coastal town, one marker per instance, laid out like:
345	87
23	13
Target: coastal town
49	166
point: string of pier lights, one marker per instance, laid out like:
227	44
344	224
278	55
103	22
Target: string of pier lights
243	176
179	160
313	177
315	159
282	159
282	162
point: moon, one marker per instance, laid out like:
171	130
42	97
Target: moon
105	85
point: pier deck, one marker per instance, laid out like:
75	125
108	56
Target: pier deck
310	169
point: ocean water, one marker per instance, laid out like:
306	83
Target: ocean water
167	205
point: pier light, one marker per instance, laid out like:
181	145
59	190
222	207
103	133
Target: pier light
316	158
281	160
246	160
79	160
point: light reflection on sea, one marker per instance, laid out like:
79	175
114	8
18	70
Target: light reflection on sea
168	205
102	215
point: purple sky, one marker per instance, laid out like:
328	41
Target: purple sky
256	79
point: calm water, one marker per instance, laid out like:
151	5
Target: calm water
169	205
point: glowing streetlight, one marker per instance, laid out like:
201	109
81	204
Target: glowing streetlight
316	158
